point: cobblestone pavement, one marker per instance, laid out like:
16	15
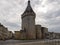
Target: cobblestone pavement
17	42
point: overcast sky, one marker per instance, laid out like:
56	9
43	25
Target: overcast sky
47	13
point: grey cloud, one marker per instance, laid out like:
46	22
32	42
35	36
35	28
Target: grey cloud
50	15
55	28
5	22
11	10
50	1
52	20
11	26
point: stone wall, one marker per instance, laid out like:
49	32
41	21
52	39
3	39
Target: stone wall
28	24
10	34
44	30
38	32
20	35
17	35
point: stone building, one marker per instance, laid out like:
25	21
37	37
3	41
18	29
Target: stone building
20	35
52	35
29	29
28	22
17	35
44	30
10	33
4	33
38	32
57	35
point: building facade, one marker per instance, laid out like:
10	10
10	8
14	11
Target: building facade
28	22
29	30
38	32
4	33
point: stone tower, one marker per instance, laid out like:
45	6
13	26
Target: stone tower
28	22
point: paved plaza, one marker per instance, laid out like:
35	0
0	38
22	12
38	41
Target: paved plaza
18	42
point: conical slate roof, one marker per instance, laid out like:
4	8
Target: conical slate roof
29	9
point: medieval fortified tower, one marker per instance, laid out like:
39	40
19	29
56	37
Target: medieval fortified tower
28	22
29	29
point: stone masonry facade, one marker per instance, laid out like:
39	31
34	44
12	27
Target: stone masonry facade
29	30
4	33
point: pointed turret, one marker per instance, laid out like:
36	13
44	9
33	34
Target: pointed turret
29	10
28	22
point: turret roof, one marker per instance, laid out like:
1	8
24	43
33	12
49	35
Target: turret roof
29	8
